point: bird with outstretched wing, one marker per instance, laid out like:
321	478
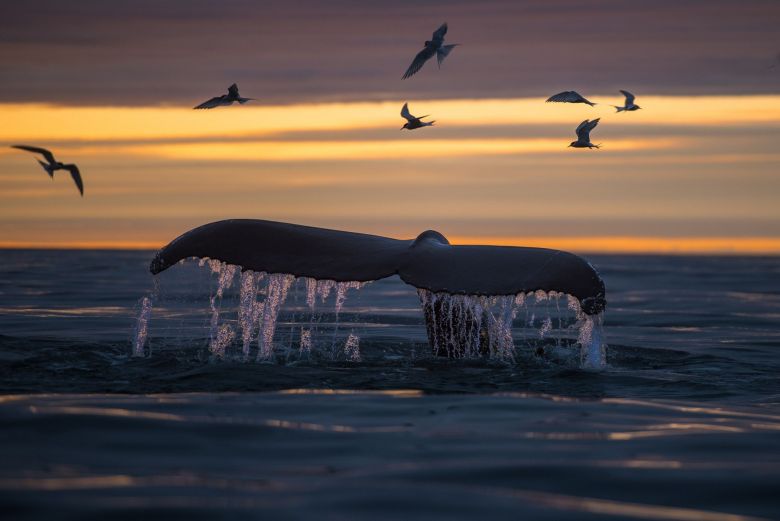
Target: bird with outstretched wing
51	165
433	47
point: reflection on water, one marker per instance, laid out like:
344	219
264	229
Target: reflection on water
287	453
682	425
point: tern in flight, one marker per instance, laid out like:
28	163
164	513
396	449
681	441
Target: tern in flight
224	100
434	46
583	134
629	106
52	164
413	122
569	96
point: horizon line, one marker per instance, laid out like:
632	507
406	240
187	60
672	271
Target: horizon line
650	245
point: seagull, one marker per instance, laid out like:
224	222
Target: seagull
583	134
434	46
411	121
225	99
568	96
52	165
629	106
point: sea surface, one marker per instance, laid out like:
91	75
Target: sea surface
683	424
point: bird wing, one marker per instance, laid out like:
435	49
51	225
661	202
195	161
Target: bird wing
629	97
581	128
568	96
216	101
76	175
406	114
233	91
47	154
438	34
419	60
584	128
444	51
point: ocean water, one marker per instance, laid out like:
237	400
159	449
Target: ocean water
684	423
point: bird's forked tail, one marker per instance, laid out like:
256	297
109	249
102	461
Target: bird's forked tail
619	109
444	51
47	167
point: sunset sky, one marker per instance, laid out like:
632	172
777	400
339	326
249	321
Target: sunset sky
111	86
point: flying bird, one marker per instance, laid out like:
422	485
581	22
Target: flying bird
629	106
413	122
224	100
52	164
583	134
434	46
569	96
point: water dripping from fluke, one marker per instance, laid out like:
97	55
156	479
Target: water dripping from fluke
473	297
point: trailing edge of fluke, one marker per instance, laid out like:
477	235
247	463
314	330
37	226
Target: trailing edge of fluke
427	262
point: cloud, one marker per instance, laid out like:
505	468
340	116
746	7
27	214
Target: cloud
181	51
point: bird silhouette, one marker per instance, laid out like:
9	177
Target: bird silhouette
52	165
224	100
433	47
413	122
629	105
583	134
569	96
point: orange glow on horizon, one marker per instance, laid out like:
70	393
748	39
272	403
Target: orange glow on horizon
594	245
637	245
152	172
387	149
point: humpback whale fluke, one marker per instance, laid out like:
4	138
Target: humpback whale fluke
433	47
224	100
569	96
52	164
428	262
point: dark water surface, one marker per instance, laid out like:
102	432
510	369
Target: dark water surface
684	423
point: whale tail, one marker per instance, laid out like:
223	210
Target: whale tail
456	285
428	263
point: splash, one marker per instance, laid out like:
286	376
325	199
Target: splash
305	343
352	348
469	326
142	326
341	292
219	337
249	309
281	318
278	286
323	289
